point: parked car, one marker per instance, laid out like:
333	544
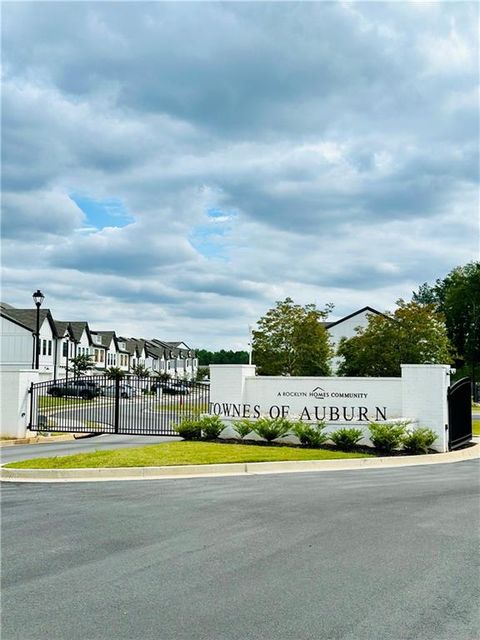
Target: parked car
82	388
177	388
172	387
125	391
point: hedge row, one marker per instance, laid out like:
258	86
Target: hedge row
386	437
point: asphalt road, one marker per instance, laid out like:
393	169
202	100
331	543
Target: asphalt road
350	555
82	445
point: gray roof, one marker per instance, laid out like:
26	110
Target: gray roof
177	350
168	348
62	327
355	313
106	337
153	349
28	317
133	346
78	328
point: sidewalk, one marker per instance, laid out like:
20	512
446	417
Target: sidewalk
233	469
36	440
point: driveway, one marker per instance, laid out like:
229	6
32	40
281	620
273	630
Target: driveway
82	445
351	555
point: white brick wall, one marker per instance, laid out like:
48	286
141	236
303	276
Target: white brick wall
420	395
15	399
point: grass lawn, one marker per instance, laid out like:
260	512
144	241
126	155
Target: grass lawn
47	402
175	453
476	426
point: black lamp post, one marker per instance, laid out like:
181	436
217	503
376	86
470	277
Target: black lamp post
38	298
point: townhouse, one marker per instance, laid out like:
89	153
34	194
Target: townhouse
18	338
60	341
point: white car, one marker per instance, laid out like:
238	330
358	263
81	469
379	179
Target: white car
126	391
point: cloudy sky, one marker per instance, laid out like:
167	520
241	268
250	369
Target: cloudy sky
171	170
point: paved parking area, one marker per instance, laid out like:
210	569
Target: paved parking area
355	555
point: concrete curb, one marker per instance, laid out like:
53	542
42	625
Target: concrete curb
234	469
36	440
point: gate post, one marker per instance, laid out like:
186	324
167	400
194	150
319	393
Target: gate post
117	405
424	398
31	406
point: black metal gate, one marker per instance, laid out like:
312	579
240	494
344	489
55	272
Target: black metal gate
131	405
459	414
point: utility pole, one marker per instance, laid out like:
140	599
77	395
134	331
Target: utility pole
249	344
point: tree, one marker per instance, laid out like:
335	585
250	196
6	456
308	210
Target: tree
414	334
141	371
457	296
291	340
206	357
115	373
163	377
81	364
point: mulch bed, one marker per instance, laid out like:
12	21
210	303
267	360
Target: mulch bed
327	447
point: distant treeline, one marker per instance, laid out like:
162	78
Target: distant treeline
221	357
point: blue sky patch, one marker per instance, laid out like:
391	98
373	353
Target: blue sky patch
110	212
210	239
216	213
207	240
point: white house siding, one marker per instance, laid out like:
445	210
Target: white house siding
346	329
16	345
98	352
151	363
111	355
123	361
60	358
15	405
81	348
46	360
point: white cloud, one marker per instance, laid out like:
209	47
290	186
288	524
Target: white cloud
336	144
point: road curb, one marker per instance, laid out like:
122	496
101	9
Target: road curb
233	469
36	440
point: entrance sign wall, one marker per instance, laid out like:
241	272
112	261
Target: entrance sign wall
419	395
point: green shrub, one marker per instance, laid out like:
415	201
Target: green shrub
271	428
310	435
189	429
387	436
211	427
243	427
419	440
346	439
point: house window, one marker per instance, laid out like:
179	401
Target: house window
49	347
102	356
65	350
44	347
